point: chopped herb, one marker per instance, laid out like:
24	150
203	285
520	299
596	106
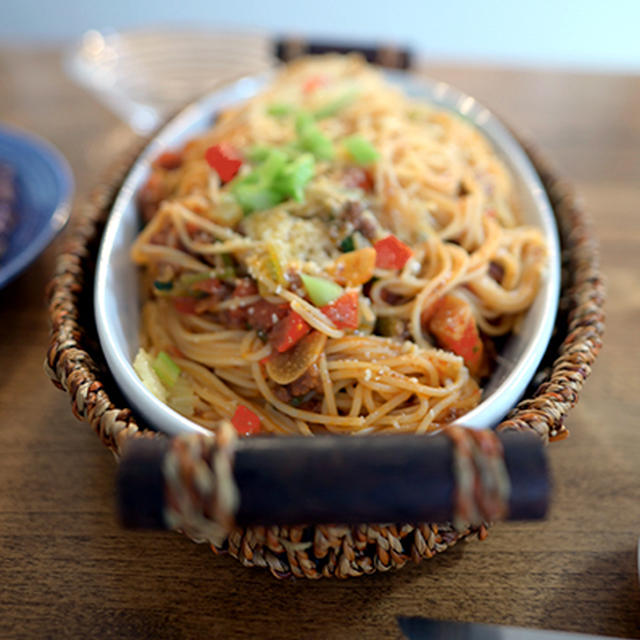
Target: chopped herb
298	401
187	279
163	286
347	244
262	334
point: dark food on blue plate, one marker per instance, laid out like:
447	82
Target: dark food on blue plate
7	206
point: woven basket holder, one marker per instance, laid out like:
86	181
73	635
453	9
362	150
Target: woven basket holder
76	364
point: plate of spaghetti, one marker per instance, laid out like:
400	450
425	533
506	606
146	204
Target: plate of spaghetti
328	249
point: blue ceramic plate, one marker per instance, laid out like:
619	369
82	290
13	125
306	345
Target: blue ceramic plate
44	186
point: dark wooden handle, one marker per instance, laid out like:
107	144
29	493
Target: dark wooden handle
390	56
333	479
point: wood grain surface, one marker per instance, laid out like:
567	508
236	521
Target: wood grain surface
68	570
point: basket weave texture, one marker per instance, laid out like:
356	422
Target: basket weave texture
76	364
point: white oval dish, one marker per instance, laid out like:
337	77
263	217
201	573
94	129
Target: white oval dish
117	300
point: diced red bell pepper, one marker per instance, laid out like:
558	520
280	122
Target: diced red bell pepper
288	331
358	178
391	253
245	421
343	312
313	83
453	326
185	304
224	159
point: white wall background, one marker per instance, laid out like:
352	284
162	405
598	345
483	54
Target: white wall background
582	34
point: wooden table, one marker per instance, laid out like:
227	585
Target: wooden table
67	569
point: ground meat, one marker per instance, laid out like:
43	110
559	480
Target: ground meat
295	282
496	271
167	237
304	392
309	380
362	221
214	288
392	298
261	315
245	287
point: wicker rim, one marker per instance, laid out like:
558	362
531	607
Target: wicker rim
75	363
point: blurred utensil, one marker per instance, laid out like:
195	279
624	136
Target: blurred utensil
145	75
416	628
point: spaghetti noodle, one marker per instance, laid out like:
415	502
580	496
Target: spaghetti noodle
331	256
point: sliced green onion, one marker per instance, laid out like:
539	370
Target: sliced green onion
292	180
258	153
318	144
255	197
304	122
335	106
166	369
320	290
311	138
143	367
361	150
280	109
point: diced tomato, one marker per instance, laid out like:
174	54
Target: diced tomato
453	326
391	253
313	83
358	178
245	421
224	159
185	304
288	331
168	160
343	312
